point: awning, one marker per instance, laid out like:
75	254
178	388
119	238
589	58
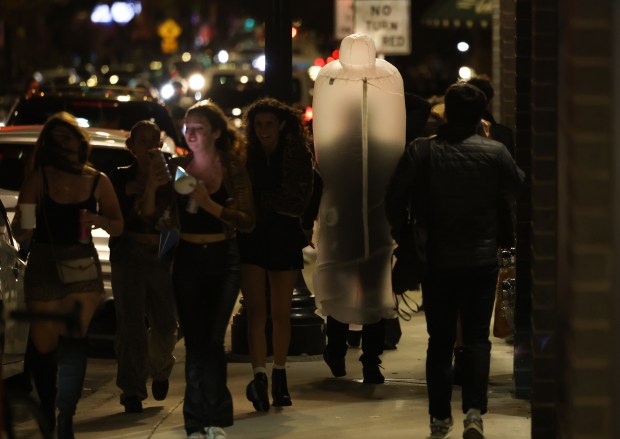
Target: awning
459	14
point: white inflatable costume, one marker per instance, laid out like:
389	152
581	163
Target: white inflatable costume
359	136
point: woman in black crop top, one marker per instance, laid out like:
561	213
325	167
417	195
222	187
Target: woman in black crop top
60	184
206	267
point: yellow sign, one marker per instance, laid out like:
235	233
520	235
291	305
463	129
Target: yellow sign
169	30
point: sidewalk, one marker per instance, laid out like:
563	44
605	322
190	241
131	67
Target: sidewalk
323	406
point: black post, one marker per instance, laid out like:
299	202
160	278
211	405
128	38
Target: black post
279	51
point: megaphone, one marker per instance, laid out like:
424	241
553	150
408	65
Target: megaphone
184	183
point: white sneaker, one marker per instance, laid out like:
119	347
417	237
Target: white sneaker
215	433
196	435
440	428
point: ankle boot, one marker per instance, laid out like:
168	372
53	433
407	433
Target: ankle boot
44	370
370	370
256	392
279	389
71	372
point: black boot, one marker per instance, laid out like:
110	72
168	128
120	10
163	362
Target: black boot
373	337
256	391
370	370
279	388
336	349
44	371
71	372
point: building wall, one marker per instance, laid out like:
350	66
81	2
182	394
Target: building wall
586	161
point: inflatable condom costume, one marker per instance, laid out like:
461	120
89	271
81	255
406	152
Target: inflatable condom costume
359	136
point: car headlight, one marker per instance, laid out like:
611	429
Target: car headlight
196	82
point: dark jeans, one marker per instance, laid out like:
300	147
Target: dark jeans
142	285
373	336
446	294
206	285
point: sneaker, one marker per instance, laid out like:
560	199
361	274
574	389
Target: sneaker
441	427
196	435
256	392
132	404
472	428
159	389
215	433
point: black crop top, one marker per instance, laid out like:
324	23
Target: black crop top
63	220
201	222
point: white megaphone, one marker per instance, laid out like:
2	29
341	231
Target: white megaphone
184	183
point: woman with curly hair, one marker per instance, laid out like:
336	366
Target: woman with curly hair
206	266
280	167
71	197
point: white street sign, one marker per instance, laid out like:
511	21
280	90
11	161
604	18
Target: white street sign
388	22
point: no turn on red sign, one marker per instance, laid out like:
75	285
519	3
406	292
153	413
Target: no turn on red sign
388	22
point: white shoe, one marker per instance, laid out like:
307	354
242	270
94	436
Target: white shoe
196	435
215	433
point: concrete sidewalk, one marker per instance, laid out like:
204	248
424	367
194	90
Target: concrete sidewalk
323	406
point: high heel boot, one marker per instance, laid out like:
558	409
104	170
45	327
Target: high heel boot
279	389
71	372
44	371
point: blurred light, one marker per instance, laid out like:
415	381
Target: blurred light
196	81
244	79
122	12
83	122
336	54
259	63
320	62
186	57
465	72
166	91
259	78
101	14
237	122
92	81
222	56
105	69
329	59
308	114
293	32
236	111
123	98
155	65
113	79
197	96
38	76
313	72
249	24
462	46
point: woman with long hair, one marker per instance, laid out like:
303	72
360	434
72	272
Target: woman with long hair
280	167
206	266
69	197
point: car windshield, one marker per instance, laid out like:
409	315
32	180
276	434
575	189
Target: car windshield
14	159
97	113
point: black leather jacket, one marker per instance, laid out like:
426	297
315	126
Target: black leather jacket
472	179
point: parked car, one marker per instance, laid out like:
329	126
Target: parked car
108	152
15	335
110	107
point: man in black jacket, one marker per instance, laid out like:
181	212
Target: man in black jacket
471	179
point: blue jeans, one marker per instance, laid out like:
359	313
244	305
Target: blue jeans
447	294
206	285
